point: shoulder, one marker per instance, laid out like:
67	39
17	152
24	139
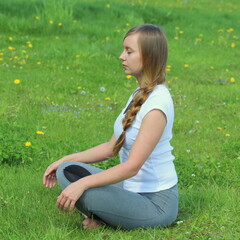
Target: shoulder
160	98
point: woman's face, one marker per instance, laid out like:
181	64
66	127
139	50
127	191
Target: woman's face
131	56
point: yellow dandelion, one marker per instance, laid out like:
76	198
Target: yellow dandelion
212	67
16	81
235	37
168	69
107	38
220	30
23	51
10	38
37	17
233	45
79	87
107	98
11	48
39	63
30	45
198	39
40	132
60	24
23	61
108	5
77	56
1	59
177	28
15	57
44	127
181	32
186	65
219	128
169	82
127	24
57	37
230	30
227	70
227	135
1	53
176	38
201	35
51	22
27	144
26	56
232	80
128	76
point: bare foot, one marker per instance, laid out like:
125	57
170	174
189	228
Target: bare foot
90	224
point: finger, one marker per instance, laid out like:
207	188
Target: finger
66	205
71	208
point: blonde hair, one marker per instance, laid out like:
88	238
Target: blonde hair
154	52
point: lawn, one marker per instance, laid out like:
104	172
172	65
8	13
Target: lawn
62	87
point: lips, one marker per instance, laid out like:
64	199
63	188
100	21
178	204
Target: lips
124	66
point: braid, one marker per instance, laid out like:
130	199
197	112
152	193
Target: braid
138	100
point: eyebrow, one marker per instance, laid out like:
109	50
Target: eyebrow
129	48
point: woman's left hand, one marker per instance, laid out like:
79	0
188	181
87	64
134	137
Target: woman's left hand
68	197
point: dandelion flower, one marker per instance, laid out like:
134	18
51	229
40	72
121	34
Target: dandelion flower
40	132
51	21
30	45
233	45
176	38
17	81
107	38
177	28
219	128
108	5
230	30
201	35
11	48
37	17
10	38
181	32
27	144
39	63
227	135
212	67
186	65
79	87
102	89
107	98
57	37
60	24
77	56
128	76
127	24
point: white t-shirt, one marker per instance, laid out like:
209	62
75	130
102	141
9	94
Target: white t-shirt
158	171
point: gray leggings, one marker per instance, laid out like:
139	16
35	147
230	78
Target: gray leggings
118	207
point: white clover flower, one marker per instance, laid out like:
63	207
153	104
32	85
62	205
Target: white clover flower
83	92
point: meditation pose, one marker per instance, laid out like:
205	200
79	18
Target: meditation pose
141	191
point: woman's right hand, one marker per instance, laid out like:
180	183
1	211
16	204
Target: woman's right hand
49	177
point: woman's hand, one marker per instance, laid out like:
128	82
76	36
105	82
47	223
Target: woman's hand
49	177
68	197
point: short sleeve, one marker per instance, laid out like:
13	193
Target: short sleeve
160	100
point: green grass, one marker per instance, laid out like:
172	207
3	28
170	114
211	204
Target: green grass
61	70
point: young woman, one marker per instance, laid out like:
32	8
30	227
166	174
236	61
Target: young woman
141	191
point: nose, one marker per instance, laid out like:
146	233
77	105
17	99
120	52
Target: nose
122	56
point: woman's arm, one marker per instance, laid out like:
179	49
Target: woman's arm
95	154
149	134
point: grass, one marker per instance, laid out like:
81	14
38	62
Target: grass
65	54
